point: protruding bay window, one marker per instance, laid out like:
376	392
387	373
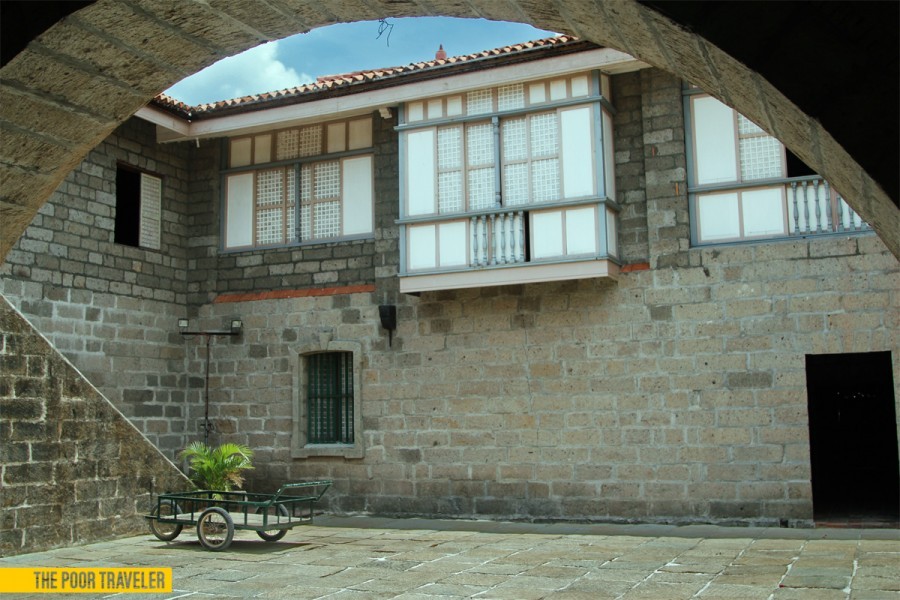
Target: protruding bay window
511	184
744	185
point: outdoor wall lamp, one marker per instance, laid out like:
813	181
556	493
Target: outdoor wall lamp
234	329
388	315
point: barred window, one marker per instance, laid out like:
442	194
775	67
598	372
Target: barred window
330	398
327	414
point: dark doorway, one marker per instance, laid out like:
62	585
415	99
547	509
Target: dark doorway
853	438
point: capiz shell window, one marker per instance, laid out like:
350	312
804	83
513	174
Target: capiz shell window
511	179
324	192
729	148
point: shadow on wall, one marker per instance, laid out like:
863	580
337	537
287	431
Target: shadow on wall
74	470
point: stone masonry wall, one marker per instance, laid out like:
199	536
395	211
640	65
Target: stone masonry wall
109	308
629	165
670	395
72	468
675	394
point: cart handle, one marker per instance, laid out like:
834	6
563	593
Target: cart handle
324	484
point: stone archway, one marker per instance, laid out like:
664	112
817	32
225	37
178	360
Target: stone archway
75	83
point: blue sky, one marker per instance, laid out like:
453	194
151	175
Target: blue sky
344	48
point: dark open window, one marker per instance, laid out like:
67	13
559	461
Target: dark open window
128	206
138	199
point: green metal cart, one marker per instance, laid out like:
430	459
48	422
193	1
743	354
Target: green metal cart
218	514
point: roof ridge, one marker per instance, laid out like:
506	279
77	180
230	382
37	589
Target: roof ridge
330	82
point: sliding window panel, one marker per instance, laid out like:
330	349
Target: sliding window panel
763	212
240	152
421	250
239	210
547	234
581	231
577	151
715	142
262	149
357	205
336	137
719	216
420	173
612	242
453	244
608	186
360	134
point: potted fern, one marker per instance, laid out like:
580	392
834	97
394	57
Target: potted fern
220	468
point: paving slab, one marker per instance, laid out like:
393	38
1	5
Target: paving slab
365	558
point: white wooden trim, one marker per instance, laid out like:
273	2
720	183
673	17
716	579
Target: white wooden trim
532	273
172	128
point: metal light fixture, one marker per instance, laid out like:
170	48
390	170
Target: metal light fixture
235	329
388	315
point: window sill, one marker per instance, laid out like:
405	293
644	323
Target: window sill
509	275
314	450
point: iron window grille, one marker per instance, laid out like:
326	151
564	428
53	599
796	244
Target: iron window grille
330	398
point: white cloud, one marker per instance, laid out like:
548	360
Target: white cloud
252	72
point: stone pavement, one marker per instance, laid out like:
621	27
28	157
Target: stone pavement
355	558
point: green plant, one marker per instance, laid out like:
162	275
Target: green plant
217	468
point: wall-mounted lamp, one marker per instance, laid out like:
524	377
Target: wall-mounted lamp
234	329
388	315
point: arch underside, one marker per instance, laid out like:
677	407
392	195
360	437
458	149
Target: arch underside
74	84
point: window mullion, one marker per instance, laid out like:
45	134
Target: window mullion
284	205
498	199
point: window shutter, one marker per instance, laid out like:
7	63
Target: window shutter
239	210
151	211
357	204
715	141
578	152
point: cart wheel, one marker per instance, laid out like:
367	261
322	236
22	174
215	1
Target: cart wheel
161	529
273	535
215	529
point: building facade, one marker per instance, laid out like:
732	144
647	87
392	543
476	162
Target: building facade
546	281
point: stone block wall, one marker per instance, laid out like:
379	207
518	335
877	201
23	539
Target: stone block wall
72	468
112	309
629	165
674	395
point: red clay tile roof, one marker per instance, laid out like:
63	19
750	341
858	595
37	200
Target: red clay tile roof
345	81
